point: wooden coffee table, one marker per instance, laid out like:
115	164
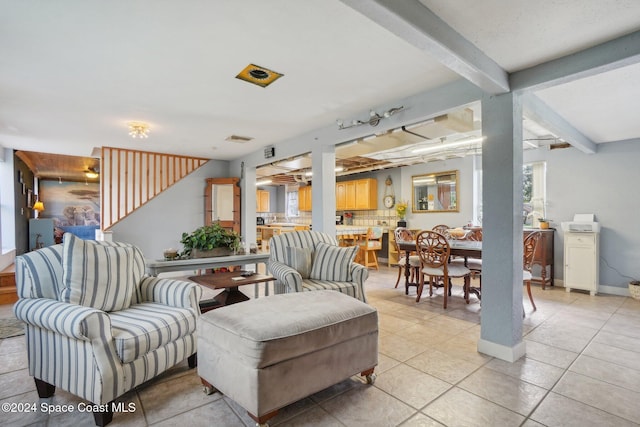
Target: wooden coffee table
229	282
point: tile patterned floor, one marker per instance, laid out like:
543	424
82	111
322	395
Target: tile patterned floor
582	369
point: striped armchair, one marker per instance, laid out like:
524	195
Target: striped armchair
94	353
310	260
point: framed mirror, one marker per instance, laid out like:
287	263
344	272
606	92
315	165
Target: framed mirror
435	192
222	202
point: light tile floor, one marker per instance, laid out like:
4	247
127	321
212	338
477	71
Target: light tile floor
582	369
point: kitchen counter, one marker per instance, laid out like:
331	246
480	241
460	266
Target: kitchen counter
357	229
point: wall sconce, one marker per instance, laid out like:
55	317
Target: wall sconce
374	118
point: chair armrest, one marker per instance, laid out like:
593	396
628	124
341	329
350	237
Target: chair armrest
174	293
286	275
359	274
73	321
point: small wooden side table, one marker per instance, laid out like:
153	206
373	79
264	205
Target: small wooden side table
228	281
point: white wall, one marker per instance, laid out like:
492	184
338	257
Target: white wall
160	223
605	184
7	209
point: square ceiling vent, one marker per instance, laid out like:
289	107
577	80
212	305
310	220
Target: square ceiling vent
258	75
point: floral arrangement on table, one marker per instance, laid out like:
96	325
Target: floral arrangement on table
401	209
348	214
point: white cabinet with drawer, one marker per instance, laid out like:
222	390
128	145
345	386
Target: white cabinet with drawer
581	259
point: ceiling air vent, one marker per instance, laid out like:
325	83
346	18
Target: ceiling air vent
239	139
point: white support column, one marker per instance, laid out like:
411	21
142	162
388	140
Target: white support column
323	190
501	324
248	203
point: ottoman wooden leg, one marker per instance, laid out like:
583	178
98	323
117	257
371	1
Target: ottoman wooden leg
262	421
369	375
207	388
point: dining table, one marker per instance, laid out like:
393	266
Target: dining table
462	248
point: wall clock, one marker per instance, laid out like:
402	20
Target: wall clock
389	199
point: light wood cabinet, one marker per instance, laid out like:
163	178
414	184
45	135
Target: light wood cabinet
262	201
360	194
366	193
341	196
304	198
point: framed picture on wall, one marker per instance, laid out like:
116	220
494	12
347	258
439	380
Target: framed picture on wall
30	198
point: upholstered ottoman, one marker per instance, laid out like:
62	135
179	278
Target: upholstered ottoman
269	352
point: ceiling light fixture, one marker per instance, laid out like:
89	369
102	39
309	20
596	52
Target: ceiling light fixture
138	129
455	144
91	173
263	182
374	118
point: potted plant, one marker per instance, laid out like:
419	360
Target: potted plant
544	223
401	211
209	241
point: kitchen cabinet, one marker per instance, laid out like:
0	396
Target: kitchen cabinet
262	201
366	194
581	261
341	196
304	198
360	194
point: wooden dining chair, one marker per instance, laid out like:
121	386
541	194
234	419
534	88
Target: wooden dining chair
434	250
442	229
528	254
369	244
402	234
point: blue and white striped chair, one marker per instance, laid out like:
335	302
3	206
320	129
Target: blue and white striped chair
310	261
143	325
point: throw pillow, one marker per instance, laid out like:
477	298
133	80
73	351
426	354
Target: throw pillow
96	275
299	259
333	262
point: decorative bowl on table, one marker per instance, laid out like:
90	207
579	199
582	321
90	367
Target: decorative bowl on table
458	233
170	254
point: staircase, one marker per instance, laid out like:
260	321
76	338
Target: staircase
131	178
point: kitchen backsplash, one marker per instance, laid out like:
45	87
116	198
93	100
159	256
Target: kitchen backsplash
385	217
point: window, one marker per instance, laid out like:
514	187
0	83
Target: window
292	202
534	191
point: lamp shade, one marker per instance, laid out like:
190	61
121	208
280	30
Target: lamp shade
38	206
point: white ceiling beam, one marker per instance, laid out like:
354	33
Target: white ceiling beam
536	110
419	26
598	59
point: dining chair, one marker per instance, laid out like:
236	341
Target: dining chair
473	264
369	244
442	229
403	234
528	254
434	250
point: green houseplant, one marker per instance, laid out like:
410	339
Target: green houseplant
213	240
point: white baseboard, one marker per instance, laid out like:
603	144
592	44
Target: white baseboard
602	289
508	354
